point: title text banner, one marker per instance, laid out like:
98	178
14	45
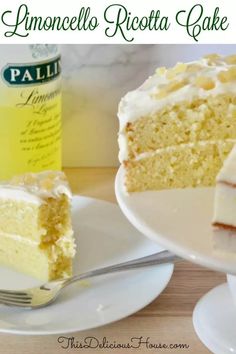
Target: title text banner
124	21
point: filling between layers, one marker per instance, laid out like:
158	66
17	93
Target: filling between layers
30	257
178	167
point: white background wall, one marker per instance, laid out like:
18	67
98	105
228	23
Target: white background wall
95	77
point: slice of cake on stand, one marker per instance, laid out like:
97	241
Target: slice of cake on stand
36	235
224	220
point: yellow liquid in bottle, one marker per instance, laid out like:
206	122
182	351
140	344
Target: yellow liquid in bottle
30	119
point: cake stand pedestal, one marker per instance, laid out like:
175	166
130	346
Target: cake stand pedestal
180	220
214	318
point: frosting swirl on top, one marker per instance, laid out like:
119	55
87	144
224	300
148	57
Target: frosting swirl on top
211	75
36	187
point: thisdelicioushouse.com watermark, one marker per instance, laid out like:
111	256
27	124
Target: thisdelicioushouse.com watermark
106	344
117	20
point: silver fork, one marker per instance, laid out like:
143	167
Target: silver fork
48	292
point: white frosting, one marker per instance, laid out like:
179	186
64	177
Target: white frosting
228	171
20	238
34	192
145	155
9	192
142	101
65	243
225	205
225	193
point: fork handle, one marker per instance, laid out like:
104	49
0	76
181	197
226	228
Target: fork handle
154	259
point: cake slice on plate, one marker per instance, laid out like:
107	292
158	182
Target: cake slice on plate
224	219
36	235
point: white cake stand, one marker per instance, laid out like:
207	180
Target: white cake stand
180	220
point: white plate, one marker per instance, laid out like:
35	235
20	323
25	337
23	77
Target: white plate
104	237
179	220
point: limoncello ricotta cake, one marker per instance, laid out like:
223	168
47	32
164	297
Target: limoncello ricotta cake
224	220
36	235
179	126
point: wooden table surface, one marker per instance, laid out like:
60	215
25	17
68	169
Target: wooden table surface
167	320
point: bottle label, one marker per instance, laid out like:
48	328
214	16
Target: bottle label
30	116
31	74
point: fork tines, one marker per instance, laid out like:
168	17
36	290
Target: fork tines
15	298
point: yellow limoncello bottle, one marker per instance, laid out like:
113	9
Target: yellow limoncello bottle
30	109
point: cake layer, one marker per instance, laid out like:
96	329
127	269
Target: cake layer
180	166
43	222
212	118
189	102
20	217
45	263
